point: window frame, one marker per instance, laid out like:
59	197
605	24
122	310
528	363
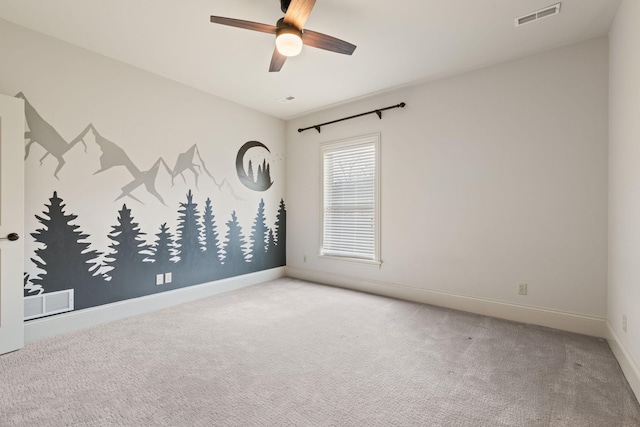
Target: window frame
373	139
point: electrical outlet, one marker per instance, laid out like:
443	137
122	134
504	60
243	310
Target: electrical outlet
522	288
624	323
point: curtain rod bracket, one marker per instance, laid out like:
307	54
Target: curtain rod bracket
378	112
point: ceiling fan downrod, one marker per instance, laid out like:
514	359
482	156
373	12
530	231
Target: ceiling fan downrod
284	5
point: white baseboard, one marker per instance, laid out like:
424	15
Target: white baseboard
582	324
629	366
75	320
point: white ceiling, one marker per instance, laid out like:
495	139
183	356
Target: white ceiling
399	42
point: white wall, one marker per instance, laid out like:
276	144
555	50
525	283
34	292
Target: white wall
490	178
624	188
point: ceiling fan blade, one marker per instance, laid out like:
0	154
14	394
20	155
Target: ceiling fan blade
247	25
298	12
277	61
323	41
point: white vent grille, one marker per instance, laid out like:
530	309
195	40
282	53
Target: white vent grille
542	13
287	99
47	304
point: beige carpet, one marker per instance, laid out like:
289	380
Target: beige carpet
292	353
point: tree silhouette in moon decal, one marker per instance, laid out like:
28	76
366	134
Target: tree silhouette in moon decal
262	179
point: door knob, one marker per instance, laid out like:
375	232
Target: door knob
11	237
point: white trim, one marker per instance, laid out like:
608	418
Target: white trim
571	322
12	122
367	262
629	365
75	320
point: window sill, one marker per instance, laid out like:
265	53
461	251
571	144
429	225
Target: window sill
366	262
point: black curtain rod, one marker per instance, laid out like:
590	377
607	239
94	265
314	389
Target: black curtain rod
378	112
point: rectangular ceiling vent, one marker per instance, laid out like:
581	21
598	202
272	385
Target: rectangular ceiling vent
542	13
47	304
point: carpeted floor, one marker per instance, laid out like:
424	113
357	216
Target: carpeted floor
292	353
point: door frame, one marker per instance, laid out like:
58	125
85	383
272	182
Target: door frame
11	221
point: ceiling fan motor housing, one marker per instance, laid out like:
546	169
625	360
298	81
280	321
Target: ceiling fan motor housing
288	39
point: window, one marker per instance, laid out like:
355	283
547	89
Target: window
350	226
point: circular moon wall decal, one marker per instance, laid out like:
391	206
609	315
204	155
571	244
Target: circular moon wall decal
262	180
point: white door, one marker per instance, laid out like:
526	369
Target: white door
11	223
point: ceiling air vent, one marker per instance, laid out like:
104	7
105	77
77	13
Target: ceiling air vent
287	99
542	13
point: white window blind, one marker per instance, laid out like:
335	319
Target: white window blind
350	199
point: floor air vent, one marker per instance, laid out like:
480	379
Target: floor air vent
47	304
543	13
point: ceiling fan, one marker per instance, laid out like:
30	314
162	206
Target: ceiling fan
290	35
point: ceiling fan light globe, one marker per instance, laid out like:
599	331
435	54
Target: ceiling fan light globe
289	44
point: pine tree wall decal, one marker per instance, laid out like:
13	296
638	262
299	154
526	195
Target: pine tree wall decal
271	247
66	257
29	288
234	254
258	239
281	235
271	255
129	250
210	239
163	249
188	240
